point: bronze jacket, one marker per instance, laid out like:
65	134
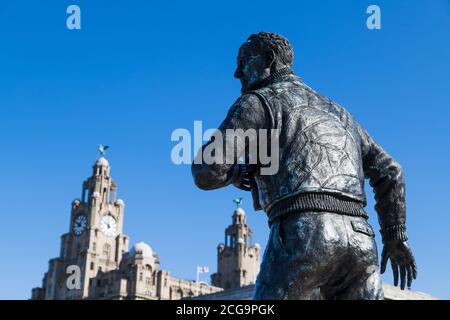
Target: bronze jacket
324	156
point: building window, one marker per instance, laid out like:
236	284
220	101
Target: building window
148	281
94	246
140	276
107	251
92	266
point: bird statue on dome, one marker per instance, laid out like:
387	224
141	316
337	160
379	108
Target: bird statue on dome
102	149
238	202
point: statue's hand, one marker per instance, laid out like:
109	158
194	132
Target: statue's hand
242	181
402	260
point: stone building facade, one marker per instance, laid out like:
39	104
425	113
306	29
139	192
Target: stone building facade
95	251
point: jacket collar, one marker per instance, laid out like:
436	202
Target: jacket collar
280	75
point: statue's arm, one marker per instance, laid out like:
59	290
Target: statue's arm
386	178
246	113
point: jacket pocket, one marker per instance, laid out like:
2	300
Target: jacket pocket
363	227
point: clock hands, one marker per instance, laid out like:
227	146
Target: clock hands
108	225
79	225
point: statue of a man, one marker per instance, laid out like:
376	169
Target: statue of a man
320	244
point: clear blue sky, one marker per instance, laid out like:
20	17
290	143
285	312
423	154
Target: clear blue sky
140	69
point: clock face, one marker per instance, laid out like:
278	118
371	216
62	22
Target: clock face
108	225
79	225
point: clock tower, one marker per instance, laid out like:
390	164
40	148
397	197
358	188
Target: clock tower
238	258
95	242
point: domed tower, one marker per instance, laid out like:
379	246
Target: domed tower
238	259
141	265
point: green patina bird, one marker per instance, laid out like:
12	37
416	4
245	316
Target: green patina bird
238	202
102	149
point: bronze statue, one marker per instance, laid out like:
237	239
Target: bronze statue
320	244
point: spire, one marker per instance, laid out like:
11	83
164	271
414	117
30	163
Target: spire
101	166
239	213
100	186
102	162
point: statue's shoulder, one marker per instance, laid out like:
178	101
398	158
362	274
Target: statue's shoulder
247	103
249	100
328	105
291	86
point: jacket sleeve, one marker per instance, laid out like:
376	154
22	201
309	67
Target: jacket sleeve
386	178
246	113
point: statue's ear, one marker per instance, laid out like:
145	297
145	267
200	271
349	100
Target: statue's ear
270	58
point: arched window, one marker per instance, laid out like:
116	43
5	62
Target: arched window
107	251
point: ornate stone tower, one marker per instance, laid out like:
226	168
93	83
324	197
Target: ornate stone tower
238	259
94	243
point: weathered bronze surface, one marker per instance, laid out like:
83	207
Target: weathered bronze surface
320	244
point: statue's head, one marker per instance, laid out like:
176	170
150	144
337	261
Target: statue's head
261	55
